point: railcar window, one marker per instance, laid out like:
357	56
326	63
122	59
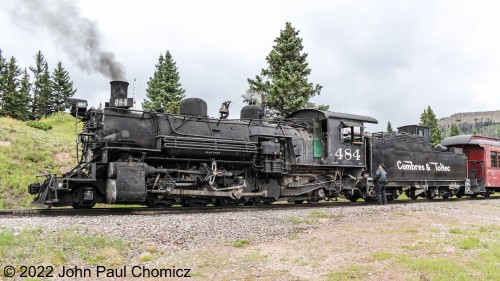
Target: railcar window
494	159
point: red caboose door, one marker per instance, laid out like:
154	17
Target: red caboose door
476	173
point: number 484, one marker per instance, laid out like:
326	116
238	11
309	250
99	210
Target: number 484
347	154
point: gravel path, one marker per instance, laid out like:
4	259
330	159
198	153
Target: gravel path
174	232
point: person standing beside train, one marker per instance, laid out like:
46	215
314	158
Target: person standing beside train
380	185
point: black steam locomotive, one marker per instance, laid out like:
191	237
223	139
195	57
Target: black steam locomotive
160	159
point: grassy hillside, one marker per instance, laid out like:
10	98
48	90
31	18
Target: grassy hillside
485	123
26	152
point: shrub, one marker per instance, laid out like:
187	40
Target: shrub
39	125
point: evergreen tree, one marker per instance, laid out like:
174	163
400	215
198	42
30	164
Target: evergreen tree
41	88
11	99
164	88
2	80
428	119
62	88
454	131
389	127
284	83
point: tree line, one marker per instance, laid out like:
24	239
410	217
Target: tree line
34	93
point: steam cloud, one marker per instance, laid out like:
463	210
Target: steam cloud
79	37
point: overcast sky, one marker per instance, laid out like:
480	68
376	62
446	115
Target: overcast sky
385	59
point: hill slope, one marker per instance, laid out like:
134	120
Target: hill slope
26	152
486	123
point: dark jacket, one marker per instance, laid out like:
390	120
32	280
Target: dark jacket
380	176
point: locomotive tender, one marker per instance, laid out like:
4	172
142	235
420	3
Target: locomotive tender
160	159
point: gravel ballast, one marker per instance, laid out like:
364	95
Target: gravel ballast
174	232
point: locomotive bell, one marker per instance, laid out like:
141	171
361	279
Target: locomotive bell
119	98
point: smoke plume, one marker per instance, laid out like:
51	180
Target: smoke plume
79	37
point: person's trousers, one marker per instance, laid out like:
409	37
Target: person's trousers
380	191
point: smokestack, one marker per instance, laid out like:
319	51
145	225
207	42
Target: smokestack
119	98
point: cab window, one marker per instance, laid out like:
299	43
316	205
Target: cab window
351	133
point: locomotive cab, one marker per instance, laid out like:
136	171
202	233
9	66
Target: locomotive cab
338	137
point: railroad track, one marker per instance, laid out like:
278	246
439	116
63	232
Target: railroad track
208	209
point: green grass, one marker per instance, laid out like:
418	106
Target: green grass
312	218
476	255
380	256
487	263
31	153
435	268
319	215
148	257
241	243
69	246
469	243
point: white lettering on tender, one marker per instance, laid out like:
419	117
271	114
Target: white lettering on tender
409	166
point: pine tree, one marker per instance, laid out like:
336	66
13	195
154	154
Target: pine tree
16	99
62	88
454	131
164	88
428	119
389	127
475	132
2	82
41	87
284	83
10	86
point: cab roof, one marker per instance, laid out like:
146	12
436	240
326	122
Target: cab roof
314	114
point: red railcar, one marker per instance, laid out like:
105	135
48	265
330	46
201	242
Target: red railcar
483	161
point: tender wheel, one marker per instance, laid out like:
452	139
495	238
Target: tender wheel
392	196
411	194
431	193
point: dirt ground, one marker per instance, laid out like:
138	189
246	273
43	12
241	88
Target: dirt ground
389	243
